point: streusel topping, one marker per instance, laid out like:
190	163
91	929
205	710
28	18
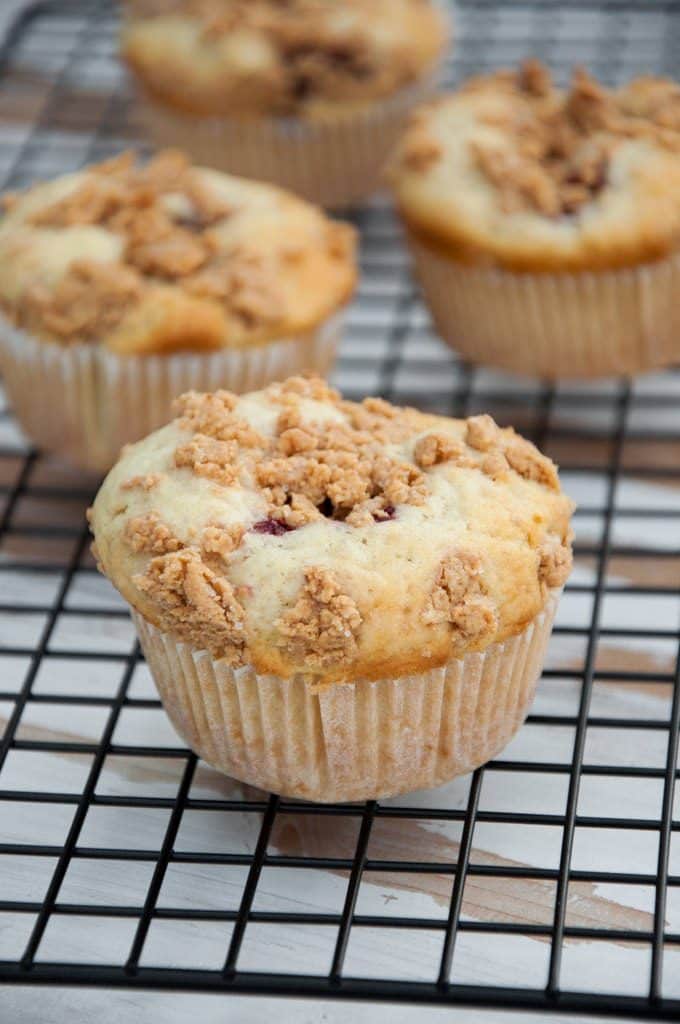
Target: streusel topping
263	56
564	142
535	173
303	533
163	256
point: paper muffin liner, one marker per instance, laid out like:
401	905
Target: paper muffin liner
85	403
334	162
584	324
348	741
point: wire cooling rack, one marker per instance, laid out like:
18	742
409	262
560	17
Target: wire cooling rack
550	879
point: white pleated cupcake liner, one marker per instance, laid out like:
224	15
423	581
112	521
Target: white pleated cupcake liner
585	324
85	402
349	741
334	162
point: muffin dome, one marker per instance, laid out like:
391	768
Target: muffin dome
305	57
165	256
513	172
301	533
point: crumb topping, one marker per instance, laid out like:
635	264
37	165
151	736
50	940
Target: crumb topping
145	481
339	466
555	562
209	458
174	237
211	415
339	470
323	624
421	151
526	460
220	541
432	449
241	281
313	387
558	146
459	598
289	521
90	299
507	449
495	465
149	534
195	602
482	433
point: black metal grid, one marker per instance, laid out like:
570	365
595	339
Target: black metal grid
62	102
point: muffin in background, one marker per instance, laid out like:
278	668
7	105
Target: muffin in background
124	284
308	94
337	601
545	224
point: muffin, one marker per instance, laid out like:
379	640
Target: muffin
308	94
545	225
121	286
337	601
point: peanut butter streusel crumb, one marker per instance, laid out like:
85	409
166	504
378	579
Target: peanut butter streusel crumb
482	433
459	598
294	440
212	415
205	413
145	482
93	202
306	387
368	513
380	407
398	483
557	149
526	460
421	151
495	465
208	457
296	475
208	207
337	463
534	78
221	541
289	417
90	299
149	534
383	422
509	450
176	254
519	179
323	624
240	280
434	448
195	603
555	562
294	511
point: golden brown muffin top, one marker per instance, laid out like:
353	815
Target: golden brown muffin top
541	178
301	533
165	256
298	57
